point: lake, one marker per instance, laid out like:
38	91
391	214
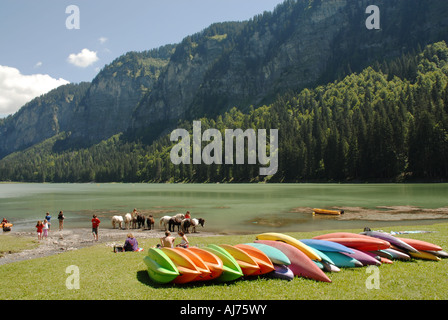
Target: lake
227	208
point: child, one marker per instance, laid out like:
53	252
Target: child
39	228
95	225
45	228
184	242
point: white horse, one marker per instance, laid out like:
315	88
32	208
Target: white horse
164	221
127	220
117	220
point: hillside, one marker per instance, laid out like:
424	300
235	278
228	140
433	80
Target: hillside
371	126
253	70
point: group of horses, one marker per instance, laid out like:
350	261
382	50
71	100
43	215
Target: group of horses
133	221
138	220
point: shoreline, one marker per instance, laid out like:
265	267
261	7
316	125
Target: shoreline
78	238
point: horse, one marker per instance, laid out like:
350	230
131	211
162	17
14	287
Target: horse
141	220
150	222
127	220
164	221
187	223
117	220
174	222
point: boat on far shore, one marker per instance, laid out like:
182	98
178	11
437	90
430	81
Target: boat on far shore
328	212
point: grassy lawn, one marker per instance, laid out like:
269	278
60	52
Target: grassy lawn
106	275
11	244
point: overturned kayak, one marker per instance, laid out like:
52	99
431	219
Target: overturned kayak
160	267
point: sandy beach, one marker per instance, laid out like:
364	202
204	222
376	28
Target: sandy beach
76	238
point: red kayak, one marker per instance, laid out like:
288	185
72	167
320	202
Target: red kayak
301	265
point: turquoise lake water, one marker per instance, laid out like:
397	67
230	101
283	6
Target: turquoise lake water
227	208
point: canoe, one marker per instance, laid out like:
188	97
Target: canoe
275	255
421	245
343	261
281	272
301	265
363	244
160	267
212	261
391	239
328	212
198	262
264	263
247	264
363	257
231	270
291	241
187	269
324	245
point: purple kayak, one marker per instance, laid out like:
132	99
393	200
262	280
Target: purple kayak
362	257
391	239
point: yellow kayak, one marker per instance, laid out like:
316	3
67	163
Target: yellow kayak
309	252
328	212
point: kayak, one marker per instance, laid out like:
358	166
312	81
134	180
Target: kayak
275	255
328	212
324	245
187	269
343	261
363	244
291	241
212	261
198	262
160	267
247	264
231	270
281	272
301	265
421	245
264	263
396	254
391	239
424	256
441	254
364	258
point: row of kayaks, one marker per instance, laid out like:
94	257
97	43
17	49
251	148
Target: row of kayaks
281	256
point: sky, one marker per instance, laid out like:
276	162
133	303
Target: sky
48	43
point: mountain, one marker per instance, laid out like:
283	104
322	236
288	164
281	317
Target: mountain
141	96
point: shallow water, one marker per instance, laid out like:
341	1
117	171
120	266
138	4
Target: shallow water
227	208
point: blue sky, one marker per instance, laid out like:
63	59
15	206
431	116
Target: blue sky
38	52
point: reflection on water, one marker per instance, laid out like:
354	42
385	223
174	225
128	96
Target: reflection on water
227	208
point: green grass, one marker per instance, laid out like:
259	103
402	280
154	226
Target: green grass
12	244
107	275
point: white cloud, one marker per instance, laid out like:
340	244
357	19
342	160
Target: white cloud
38	64
83	59
17	89
102	40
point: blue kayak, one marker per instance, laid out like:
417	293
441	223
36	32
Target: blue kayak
324	245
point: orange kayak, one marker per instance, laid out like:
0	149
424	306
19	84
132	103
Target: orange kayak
187	269
214	264
259	257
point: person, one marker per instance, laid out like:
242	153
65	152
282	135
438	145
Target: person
48	218
131	244
95	225
39	227
45	228
168	240
184	242
187	215
61	220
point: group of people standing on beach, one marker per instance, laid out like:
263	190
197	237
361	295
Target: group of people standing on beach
43	226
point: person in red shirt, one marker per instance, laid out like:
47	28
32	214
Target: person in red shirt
39	227
95	225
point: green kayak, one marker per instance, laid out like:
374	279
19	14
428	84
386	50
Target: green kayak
160	267
231	270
